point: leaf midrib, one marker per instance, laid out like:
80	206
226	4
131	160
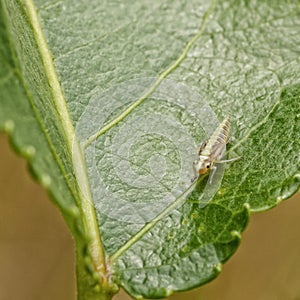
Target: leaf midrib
87	209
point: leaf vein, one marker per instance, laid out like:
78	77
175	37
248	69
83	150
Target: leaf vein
160	78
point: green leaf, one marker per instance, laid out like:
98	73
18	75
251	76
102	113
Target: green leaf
108	101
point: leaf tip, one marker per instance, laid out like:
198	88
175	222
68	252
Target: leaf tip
247	206
28	152
45	180
297	177
236	234
9	126
279	199
168	292
218	268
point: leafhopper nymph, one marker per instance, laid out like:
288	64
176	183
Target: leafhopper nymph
212	151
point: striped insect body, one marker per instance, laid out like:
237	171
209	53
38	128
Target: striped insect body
212	151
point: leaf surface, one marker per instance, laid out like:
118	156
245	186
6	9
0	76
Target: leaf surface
108	102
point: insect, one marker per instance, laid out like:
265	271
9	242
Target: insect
212	151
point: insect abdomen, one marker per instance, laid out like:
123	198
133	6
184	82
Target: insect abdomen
222	132
217	139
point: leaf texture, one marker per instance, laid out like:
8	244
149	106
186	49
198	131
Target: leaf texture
108	102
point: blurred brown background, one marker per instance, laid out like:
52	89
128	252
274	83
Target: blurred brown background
37	254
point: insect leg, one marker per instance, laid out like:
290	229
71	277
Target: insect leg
202	147
211	174
195	178
227	160
229	140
